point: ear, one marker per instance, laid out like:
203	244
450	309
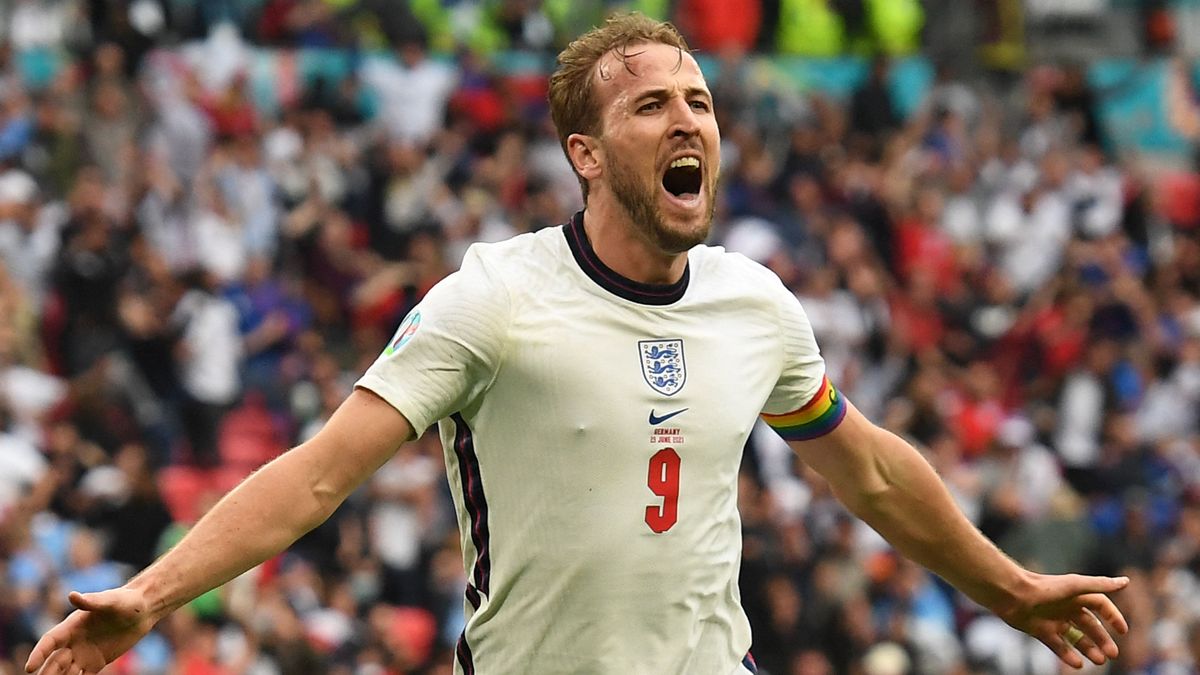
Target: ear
586	155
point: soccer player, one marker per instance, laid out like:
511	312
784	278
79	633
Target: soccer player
594	385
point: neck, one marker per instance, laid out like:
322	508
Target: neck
621	245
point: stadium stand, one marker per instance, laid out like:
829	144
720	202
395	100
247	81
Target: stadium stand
214	214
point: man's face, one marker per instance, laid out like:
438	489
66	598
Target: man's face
660	147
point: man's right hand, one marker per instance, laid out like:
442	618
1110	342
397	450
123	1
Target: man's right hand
262	516
103	627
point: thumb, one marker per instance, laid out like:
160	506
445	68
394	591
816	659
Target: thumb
92	602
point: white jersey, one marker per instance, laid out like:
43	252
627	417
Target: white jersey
593	429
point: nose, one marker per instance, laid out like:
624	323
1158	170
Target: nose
684	123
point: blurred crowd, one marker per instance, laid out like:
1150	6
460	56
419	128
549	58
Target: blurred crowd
191	283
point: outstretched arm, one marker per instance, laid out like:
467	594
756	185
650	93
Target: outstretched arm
887	483
261	517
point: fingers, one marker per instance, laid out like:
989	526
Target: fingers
59	663
1096	635
44	648
1085	645
1082	615
1088	635
1103	607
1084	637
1063	650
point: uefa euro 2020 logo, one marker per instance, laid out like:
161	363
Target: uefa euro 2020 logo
404	333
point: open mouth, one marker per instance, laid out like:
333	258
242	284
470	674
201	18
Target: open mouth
683	178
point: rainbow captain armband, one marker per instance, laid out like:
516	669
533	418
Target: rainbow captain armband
818	417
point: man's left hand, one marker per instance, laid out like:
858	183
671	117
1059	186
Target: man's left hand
1071	614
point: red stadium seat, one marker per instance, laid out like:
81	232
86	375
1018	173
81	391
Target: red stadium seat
1179	197
248	437
181	488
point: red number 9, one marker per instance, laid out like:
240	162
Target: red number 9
664	482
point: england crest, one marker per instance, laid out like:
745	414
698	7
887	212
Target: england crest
663	365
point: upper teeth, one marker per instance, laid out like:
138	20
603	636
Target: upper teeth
685	161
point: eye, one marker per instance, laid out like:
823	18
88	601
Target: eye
700	104
650	107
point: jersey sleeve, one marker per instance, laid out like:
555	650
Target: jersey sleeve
804	404
447	350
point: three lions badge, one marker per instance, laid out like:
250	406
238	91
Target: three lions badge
663	365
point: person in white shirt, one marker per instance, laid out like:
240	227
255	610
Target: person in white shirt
30	234
209	364
413	91
1031	230
593	385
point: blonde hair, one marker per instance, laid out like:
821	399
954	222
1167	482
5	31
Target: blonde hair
572	92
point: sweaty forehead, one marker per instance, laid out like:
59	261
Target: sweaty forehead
645	65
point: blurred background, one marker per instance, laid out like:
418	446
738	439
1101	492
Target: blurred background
214	214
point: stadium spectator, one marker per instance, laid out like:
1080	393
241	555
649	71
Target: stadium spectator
1079	316
413	91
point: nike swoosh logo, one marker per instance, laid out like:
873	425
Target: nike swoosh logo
655	421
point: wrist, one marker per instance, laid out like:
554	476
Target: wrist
155	603
1007	597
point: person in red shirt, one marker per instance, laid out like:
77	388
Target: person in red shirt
921	247
232	113
720	25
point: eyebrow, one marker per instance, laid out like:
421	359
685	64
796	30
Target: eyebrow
661	93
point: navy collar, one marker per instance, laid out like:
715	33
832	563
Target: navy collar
597	271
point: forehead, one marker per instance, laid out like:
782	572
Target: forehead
643	66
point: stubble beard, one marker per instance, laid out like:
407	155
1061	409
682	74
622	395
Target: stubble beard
640	202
